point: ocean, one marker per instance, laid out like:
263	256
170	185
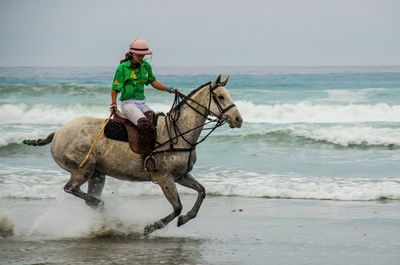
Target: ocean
324	133
311	177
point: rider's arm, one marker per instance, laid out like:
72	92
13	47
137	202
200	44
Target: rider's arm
116	86
157	85
114	94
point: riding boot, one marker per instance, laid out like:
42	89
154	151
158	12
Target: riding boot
150	116
146	143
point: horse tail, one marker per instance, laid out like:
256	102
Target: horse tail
40	142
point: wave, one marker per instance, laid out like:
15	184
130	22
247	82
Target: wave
64	88
351	136
14	136
356	95
305	112
267	123
31	183
250	184
47	114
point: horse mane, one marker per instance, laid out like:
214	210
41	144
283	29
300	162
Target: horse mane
183	102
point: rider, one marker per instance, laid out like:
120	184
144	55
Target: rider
132	74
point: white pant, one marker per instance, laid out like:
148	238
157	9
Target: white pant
133	109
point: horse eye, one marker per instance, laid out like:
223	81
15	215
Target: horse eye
221	97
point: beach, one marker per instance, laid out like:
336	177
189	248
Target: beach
312	176
228	230
286	112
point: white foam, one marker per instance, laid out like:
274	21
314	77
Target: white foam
35	183
8	137
282	186
305	112
6	226
47	114
59	221
347	95
26	182
118	218
339	135
354	135
55	114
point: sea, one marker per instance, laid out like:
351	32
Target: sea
311	177
318	133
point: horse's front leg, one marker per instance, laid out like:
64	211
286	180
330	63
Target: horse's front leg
168	186
189	182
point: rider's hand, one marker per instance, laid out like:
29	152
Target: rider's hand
172	90
113	107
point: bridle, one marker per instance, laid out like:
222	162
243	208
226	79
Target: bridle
213	97
173	115
222	111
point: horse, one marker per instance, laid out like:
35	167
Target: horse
175	151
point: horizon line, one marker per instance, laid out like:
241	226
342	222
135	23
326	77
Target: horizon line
203	66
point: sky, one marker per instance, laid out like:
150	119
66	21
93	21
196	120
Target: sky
201	33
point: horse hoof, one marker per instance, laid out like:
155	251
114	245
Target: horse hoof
95	204
151	228
180	220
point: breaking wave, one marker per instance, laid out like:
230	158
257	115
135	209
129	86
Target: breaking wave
345	136
28	183
303	112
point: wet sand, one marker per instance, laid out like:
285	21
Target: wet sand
228	230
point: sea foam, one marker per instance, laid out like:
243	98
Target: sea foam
298	121
305	112
341	135
29	183
48	114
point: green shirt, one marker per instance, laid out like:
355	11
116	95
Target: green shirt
130	82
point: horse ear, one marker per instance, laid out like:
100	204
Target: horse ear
218	80
225	81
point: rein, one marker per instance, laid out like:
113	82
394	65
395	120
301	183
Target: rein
173	115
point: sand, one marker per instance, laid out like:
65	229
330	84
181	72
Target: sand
228	230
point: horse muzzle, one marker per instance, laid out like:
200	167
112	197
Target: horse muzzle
233	121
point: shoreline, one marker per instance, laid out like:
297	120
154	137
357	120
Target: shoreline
227	230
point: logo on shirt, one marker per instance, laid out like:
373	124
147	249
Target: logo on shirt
133	75
116	82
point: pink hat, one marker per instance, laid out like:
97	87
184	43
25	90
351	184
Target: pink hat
140	46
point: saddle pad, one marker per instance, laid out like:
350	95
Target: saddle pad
116	131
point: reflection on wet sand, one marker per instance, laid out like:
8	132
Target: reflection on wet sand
132	249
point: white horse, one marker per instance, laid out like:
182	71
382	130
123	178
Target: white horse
177	136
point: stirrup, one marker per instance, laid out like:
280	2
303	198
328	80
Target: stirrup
153	163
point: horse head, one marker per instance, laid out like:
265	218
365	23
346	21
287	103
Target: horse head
221	103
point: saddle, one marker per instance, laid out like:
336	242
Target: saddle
141	138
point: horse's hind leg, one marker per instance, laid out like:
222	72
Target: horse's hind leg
190	182
96	184
73	187
171	193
